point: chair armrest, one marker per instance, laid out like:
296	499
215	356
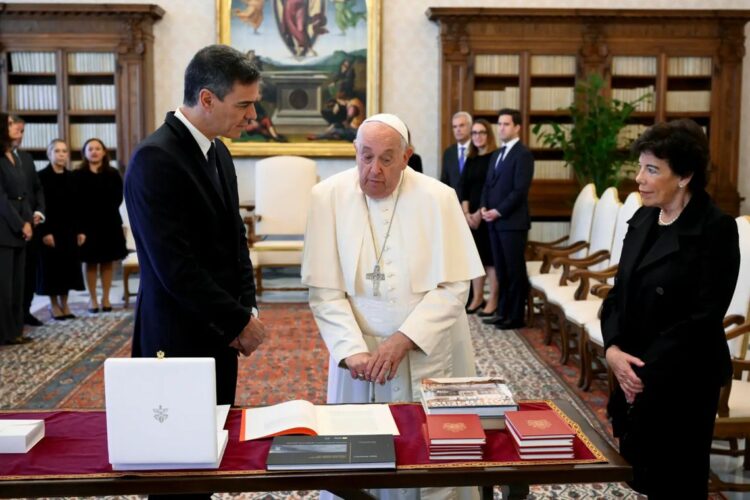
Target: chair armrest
533	246
738	331
733	319
549	254
585	276
567	263
601	290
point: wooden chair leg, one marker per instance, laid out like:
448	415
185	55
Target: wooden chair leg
258	280
564	338
585	364
547	324
126	286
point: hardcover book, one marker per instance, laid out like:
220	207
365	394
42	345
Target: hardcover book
302	417
458	429
538	424
331	452
484	396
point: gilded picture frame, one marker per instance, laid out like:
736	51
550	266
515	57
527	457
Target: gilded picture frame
312	54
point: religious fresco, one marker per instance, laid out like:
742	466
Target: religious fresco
319	64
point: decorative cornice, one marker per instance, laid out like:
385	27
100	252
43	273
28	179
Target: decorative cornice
78	9
483	14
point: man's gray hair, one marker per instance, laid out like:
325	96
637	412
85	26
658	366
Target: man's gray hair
464	114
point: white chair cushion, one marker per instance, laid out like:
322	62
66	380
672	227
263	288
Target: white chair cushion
131	259
594	331
279	246
581	312
542	282
563	295
739	399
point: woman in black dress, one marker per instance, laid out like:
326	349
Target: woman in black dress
472	181
100	193
15	230
59	264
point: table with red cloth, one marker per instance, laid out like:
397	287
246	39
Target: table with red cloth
72	460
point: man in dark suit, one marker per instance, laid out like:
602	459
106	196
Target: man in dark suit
35	197
505	208
454	157
197	296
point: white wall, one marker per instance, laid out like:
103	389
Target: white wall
409	78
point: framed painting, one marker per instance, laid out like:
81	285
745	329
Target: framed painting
320	62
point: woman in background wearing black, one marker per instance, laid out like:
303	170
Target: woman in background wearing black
662	321
99	188
59	264
472	181
15	230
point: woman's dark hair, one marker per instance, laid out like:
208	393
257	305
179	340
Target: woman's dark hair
84	165
6	143
683	144
217	68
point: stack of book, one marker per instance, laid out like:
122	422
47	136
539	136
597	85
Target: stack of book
540	435
455	437
486	397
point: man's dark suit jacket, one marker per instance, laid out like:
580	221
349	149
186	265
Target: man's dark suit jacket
196	290
34	190
507	189
15	210
450	174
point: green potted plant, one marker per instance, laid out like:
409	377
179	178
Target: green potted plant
592	146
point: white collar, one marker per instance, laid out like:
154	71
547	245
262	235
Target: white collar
509	145
464	144
203	142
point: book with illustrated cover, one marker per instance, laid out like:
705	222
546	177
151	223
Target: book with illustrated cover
331	453
302	417
487	397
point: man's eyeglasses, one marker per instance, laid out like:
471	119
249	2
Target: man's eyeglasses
478	132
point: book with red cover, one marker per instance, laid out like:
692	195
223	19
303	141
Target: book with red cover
538	424
457	429
533	444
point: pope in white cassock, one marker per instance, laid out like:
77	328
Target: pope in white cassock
388	258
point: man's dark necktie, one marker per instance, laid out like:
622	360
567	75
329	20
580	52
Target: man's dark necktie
213	172
500	158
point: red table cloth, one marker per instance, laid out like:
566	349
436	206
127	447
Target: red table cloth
75	446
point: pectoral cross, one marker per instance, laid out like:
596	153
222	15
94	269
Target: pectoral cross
376	277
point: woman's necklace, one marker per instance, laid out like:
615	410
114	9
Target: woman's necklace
662	222
376	276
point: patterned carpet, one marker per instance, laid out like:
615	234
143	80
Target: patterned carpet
62	369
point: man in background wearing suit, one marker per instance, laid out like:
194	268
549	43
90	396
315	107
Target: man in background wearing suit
454	157
505	208
197	296
35	196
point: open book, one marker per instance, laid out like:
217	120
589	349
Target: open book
302	417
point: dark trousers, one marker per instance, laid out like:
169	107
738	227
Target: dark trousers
11	292
508	249
226	376
32	262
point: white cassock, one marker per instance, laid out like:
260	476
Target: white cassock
428	260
